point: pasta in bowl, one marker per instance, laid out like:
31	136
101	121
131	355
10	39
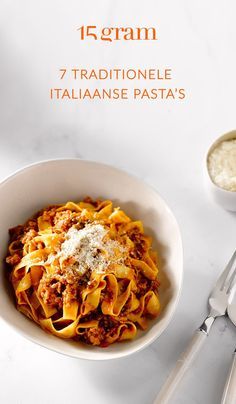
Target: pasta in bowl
56	181
85	271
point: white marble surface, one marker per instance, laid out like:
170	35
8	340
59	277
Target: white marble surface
161	142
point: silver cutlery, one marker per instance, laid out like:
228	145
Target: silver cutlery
229	395
218	302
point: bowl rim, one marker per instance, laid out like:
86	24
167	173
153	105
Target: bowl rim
145	344
226	136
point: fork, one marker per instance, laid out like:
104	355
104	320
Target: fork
218	301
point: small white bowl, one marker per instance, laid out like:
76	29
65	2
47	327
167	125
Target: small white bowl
57	181
224	198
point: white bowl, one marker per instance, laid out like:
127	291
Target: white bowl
57	181
224	198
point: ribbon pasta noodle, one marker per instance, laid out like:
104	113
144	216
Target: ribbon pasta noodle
84	271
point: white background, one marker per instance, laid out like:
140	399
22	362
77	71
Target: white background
163	142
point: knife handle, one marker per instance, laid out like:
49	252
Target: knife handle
229	395
182	365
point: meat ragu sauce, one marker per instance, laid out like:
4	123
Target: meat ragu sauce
84	271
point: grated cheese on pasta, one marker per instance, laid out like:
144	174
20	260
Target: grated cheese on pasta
90	250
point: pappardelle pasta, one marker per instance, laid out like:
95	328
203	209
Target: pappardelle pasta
85	271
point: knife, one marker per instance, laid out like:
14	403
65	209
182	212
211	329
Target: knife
229	395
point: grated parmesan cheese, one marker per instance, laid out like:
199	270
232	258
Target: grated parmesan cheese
222	165
90	249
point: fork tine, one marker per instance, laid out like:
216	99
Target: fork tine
224	276
231	281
